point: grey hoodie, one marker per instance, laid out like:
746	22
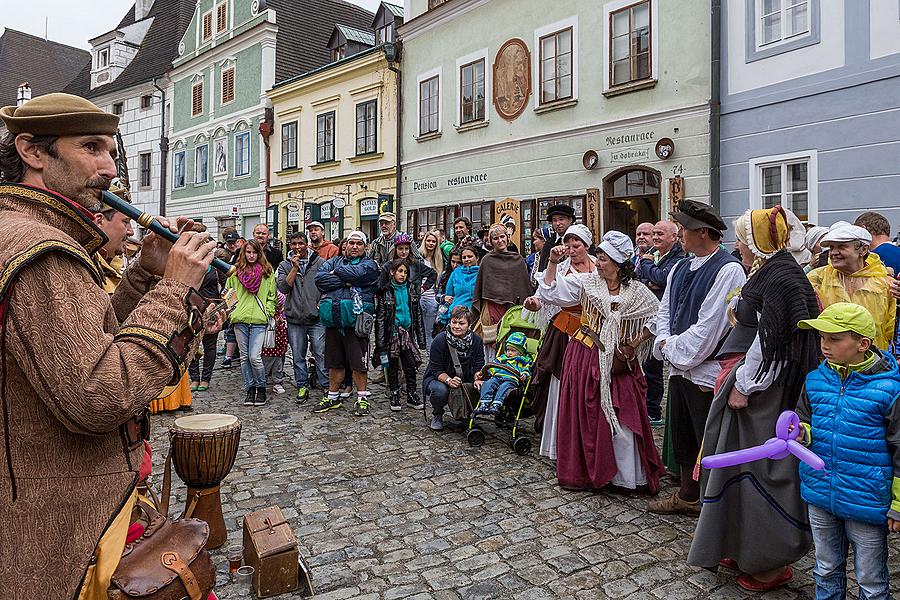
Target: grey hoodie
302	305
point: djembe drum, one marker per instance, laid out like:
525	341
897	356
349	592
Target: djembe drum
203	451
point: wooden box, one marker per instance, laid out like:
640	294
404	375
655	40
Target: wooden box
271	549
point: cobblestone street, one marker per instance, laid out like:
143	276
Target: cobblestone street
385	508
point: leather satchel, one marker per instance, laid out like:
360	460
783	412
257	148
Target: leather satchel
168	562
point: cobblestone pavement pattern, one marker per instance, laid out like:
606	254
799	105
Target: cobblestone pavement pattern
385	508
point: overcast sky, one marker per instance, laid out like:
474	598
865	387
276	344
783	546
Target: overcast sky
74	23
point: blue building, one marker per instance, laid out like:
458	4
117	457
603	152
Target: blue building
810	113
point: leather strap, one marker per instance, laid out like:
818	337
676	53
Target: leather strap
163	505
173	562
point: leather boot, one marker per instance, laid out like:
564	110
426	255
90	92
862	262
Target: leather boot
260	396
250	400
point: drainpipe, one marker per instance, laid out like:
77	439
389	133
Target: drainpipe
399	167
715	106
163	151
265	130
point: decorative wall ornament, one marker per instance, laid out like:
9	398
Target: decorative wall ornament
512	79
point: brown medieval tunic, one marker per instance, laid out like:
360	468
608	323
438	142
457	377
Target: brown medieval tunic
78	368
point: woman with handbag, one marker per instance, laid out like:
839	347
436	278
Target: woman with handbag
503	281
253	317
603	432
559	296
456	357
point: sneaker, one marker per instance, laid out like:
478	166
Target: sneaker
413	401
495	408
250	400
326	404
674	505
482	409
195	385
302	394
362	406
278	388
226	362
437	423
260	396
395	400
657	423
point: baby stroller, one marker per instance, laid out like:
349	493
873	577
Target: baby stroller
517	404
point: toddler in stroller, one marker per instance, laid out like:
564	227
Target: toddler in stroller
502	381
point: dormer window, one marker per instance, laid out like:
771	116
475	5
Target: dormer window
339	52
103	58
384	34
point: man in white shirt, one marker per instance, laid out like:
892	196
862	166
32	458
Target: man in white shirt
690	325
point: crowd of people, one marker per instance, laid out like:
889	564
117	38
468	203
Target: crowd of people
738	335
797	318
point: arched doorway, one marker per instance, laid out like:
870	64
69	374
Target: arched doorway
631	196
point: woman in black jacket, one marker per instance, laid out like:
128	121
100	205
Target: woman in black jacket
399	332
211	288
441	375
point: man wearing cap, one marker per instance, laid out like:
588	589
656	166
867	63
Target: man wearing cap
317	242
384	243
560	217
348	286
690	325
853	274
233	242
79	373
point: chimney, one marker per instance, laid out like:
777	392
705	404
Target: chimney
23	94
142	9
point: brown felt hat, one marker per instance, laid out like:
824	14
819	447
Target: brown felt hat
59	114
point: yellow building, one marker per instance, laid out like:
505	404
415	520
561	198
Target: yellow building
334	144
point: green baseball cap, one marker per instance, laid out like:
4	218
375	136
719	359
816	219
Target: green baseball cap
841	317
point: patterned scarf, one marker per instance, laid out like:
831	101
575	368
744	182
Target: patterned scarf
460	344
251	278
636	306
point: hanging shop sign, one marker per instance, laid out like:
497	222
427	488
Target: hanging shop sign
676	192
325	212
368	209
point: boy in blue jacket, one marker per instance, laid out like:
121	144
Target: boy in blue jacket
501	382
850	417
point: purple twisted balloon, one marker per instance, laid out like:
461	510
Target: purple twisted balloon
783	444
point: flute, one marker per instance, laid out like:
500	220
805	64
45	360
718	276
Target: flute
149	222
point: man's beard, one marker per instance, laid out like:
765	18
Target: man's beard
62	181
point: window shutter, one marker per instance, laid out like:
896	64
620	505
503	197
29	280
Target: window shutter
197	99
227	85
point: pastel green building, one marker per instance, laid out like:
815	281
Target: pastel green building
509	107
220	122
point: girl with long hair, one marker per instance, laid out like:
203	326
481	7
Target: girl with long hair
254	285
433	258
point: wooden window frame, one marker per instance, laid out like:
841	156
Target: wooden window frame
289	146
118	108
196	99
437	101
367	132
339	53
632	56
462	92
147	101
221	17
556	78
206	26
145	169
322	148
224	99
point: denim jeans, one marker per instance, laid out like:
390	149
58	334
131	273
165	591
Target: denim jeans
495	390
832	535
439	394
429	314
299	336
250	340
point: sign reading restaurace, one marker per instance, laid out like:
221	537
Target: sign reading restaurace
457	181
